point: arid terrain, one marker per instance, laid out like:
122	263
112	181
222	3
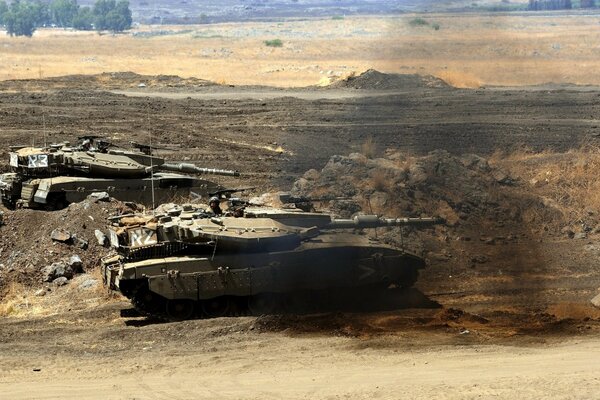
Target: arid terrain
490	121
503	308
466	50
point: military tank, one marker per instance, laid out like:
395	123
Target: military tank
53	176
187	263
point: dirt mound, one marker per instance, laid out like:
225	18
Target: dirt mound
375	80
464	190
105	81
504	240
26	246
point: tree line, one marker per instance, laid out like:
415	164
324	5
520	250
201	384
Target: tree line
22	17
558	4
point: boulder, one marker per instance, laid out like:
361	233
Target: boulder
56	270
81	243
596	301
75	264
100	237
99	196
60	281
60	235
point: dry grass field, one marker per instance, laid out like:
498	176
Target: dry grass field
467	50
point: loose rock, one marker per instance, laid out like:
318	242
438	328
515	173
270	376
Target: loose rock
75	264
60	235
60	281
100	237
99	196
82	244
56	270
596	301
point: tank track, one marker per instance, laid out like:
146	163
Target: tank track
153	306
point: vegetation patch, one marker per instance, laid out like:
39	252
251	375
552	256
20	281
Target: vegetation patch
22	18
420	22
274	43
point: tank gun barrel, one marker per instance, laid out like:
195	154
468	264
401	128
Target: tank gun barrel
286	197
191	168
373	221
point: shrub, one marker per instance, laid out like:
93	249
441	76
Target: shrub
274	43
369	148
418	22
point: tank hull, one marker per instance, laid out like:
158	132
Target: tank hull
236	280
58	192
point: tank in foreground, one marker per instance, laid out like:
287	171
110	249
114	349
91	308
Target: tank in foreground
190	264
51	177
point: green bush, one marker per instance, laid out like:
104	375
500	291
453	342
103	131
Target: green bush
274	43
418	22
337	17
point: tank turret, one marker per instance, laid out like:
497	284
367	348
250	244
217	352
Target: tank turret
187	262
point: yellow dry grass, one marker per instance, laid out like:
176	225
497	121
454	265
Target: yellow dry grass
20	301
569	182
468	50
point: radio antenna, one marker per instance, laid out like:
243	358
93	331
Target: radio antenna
151	157
44	125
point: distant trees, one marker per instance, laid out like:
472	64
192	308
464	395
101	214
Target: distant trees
84	19
112	15
550	5
559	4
22	17
3	11
62	12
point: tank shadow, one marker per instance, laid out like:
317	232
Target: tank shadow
354	300
359	300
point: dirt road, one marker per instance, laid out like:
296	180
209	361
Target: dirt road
99	355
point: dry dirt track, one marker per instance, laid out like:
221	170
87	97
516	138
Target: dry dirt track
563	371
98	356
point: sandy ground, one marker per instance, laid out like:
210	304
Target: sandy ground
563	371
101	355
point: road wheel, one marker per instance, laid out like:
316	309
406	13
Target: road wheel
216	307
179	310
